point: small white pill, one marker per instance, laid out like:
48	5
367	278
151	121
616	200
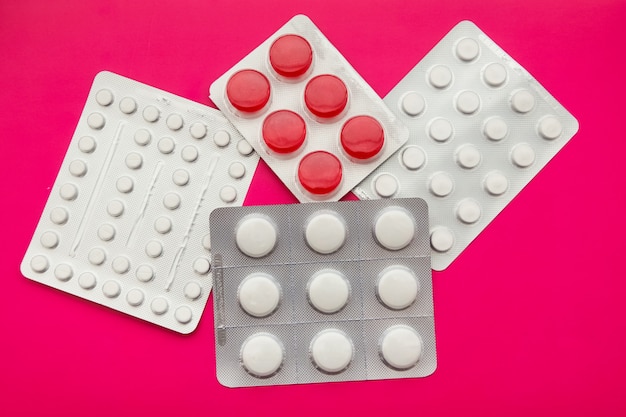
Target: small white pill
154	248
166	145
159	305
128	105
39	263
163	225
183	314
49	240
467	49
206	242
174	121
111	289
87	280
120	265
328	291
386	185
522	101
78	168
236	170
68	192
325	232
115	208
441	184
468	102
95	121
441	239
144	273
197	130
523	155
59	215
259	295
468	156
221	138
256	236
413	157
171	201
397	287
134	297
244	148
134	160
180	177
189	153
201	265
496	183
550	127
440	130
228	194
151	114
440	76
494	74
331	351
97	256
192	290
262	355
394	228
401	347
413	104
63	272
468	211
106	232
87	144
124	184
495	129
104	97
142	137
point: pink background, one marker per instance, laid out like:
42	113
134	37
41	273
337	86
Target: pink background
530	319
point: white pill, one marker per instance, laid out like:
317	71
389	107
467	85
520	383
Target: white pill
39	263
197	130
183	314
325	232
385	185
221	138
134	160
87	144
262	355
550	127
192	290
467	49
206	242
154	248
171	201
495	129
256	236
440	76
68	192
401	347
495	183
523	155
63	272
59	215
244	148
397	287
104	97
441	239
228	194
78	168
95	121
159	305
163	225
412	104
128	105
87	280
413	158
49	240
166	145
111	289
106	232
120	264
259	295
174	121
144	273
236	170
394	228
97	256
180	177
115	208
441	184
440	130
522	101
468	156
468	211
331	351
201	265
494	74
124	184
328	291
134	297
151	114
142	137
189	153
468	102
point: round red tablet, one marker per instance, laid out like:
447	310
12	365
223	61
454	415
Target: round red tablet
320	172
291	56
326	96
248	90
284	131
362	137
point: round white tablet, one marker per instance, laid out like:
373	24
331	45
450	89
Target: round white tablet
59	215
331	351
244	148
154	248
121	264
183	314
87	280
228	194
495	183
97	256
106	232
134	297
523	155
441	184
522	101
189	153
151	114
385	185
550	127
95	121
142	137
467	49
397	287
68	192
134	160
494	74
197	130
174	121
163	225
495	129
412	104
159	305
166	145
124	184
111	289
259	295
394	228
440	130
413	157
63	272
49	240
468	102
201	265
256	236
192	290
400	347
236	170
171	201
441	239
144	273
39	263
78	168
221	138
180	177
206	242
468	211
328	291
87	144
468	156
262	355
325	232
104	97
440	76
128	105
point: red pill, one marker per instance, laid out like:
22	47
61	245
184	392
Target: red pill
362	137
248	91
284	131
291	56
320	172
326	96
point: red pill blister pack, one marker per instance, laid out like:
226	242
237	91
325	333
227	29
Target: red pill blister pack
308	113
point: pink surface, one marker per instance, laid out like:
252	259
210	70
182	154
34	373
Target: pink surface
530	320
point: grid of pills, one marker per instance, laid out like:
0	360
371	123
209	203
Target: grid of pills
308	113
480	129
322	292
126	222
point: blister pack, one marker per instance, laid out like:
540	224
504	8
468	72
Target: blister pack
314	120
126	222
322	292
481	127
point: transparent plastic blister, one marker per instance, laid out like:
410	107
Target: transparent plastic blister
308	113
481	127
323	305
126	222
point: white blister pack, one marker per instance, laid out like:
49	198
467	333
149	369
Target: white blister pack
314	120
126	224
322	292
481	127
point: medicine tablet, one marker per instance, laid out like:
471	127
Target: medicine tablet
171	201
291	56
468	102
78	168
128	105
441	184
166	145
142	137
151	114
325	233
496	183
174	121
328	291
262	355
394	228
397	287
228	194
144	273
413	104
206	242
362	137
87	144
121	264
468	211
221	138
441	239
124	184
49	240
63	272
244	147
385	185
39	263
522	101
87	280
111	289
326	96
523	155
495	129
104	97
163	225
180	177
198	130
259	295
236	170
135	297
201	266
68	192
59	215
468	156
95	121
154	249
189	153
550	127
192	290
440	76
183	314
97	256
159	305
106	232
467	49
256	237
331	351
401	347
284	131
413	158
115	208
320	173
494	74
248	91
440	130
